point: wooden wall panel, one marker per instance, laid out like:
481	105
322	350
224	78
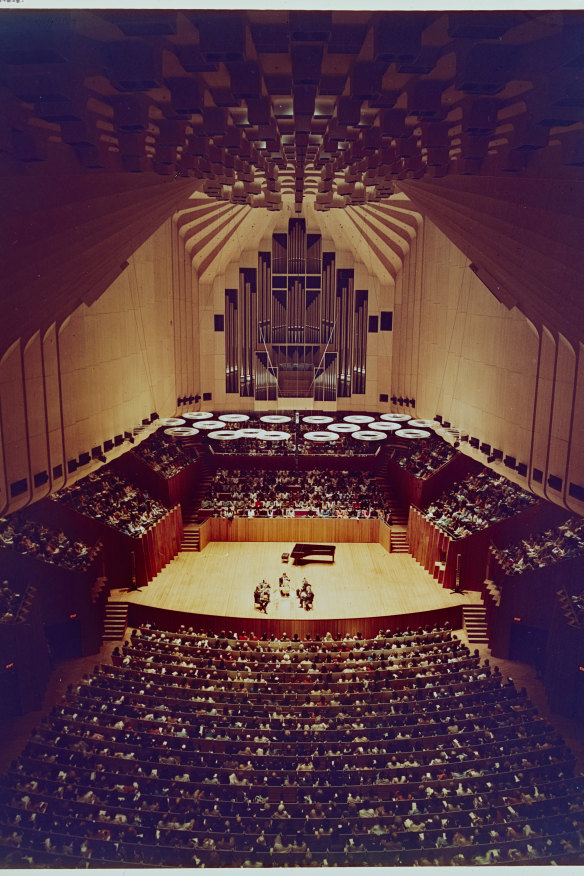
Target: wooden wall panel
486	368
98	374
167	619
384	536
311	530
14	450
53	409
205	534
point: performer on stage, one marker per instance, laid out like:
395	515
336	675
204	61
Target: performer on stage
305	595
262	596
284	584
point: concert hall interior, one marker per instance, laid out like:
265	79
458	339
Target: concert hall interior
291	296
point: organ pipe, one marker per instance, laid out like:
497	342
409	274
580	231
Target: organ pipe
297	302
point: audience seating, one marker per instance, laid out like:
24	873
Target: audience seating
543	549
13	605
163	455
196	750
423	461
51	546
288	493
109	498
477	502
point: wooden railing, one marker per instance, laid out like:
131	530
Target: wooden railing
172	491
125	557
420	492
158	546
430	546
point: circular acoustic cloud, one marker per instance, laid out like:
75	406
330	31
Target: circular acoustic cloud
344	428
358	418
321	437
210	424
274	436
275	418
381	426
197	415
424	424
181	432
252	433
412	433
317	420
225	435
395	418
171	421
369	436
233	418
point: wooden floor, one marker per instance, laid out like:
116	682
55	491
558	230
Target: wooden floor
364	581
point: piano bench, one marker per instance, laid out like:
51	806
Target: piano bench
285	557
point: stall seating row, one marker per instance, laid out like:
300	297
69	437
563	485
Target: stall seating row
202	751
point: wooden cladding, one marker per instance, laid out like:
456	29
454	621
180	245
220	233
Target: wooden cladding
301	529
296	327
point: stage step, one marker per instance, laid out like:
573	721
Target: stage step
115	621
399	512
399	540
493	590
191	539
475	624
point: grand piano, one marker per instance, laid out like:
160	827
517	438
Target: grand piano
313	553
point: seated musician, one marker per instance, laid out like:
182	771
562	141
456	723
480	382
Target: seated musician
262	596
305	595
284	584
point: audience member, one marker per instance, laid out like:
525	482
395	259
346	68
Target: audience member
536	551
49	545
11	604
290	493
477	502
423	460
164	455
210	750
109	498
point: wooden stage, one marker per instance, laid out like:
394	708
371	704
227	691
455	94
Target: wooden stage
365	581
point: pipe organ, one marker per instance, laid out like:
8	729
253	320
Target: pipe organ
296	327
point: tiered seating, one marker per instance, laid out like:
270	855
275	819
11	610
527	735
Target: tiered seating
479	501
196	750
163	455
29	537
14	605
112	500
563	542
424	461
288	494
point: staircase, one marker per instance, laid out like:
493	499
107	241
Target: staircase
191	519
191	538
399	515
115	621
475	624
399	540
